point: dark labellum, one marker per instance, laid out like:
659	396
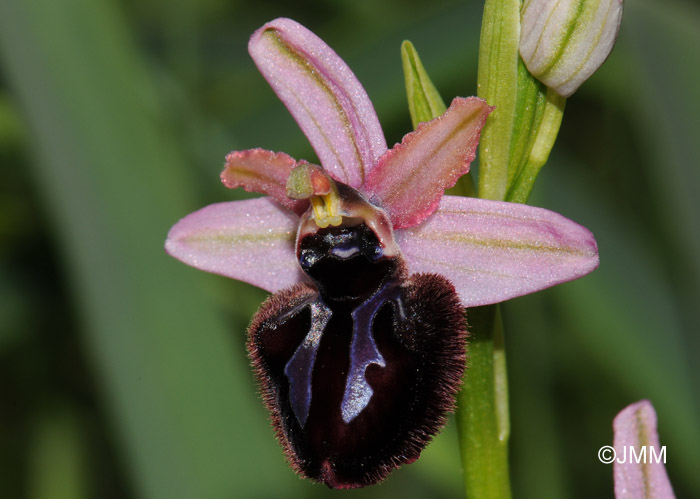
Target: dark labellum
359	368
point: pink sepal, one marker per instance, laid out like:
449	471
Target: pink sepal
251	241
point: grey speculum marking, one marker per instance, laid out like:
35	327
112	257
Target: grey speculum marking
299	369
363	353
354	279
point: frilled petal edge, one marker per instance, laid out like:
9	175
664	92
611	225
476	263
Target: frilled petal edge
251	241
410	178
635	430
266	172
493	251
324	96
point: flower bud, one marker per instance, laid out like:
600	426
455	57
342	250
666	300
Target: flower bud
564	42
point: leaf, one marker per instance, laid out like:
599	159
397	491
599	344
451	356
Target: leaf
176	388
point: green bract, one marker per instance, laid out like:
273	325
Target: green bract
424	101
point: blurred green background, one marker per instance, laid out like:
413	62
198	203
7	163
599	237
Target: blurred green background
123	372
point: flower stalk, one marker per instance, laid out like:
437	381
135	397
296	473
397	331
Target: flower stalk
526	77
482	408
482	405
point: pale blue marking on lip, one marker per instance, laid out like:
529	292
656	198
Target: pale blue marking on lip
364	352
299	369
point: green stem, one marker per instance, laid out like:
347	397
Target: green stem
515	144
482	405
482	408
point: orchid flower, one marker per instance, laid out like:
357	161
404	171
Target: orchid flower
563	43
635	432
361	350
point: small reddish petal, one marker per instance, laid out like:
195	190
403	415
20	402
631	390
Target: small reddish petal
251	241
409	179
266	172
493	251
